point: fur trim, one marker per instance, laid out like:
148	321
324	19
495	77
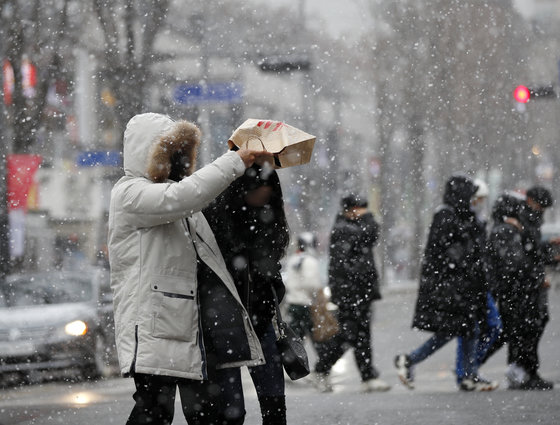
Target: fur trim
183	137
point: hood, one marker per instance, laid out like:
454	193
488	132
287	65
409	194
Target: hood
458	193
156	147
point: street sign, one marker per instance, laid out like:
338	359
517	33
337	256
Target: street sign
98	158
197	94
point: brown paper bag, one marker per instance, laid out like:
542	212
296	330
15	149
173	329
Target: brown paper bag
289	145
325	324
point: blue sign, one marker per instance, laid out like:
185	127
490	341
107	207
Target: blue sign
197	94
99	158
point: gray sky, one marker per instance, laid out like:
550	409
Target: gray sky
350	18
339	17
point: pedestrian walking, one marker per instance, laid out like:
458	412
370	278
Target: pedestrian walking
307	303
490	327
160	251
252	232
354	285
508	266
452	292
303	282
535	294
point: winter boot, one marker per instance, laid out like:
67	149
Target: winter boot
273	410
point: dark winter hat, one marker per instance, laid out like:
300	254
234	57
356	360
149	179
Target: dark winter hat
541	195
354	201
507	205
459	190
257	176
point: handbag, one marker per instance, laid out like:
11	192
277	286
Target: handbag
325	324
290	346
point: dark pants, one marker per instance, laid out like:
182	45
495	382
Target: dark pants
268	380
155	400
355	332
521	333
300	319
524	345
302	324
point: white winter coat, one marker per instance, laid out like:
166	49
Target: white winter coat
302	278
153	231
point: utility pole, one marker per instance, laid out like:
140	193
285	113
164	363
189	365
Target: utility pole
203	111
4	150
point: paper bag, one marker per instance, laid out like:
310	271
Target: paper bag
289	145
325	323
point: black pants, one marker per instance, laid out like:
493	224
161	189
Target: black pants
155	400
523	328
355	331
524	346
300	319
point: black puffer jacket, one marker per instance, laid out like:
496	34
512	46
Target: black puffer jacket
453	285
539	254
252	240
507	258
352	274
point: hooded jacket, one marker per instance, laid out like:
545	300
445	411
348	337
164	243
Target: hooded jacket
156	233
303	277
453	286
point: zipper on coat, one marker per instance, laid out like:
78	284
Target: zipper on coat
248	292
200	337
182	296
133	364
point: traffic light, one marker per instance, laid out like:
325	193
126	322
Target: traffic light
523	94
281	64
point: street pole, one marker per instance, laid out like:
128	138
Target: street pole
4	220
203	110
4	150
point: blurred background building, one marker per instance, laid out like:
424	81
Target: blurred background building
399	94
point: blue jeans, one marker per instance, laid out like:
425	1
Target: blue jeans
437	341
267	378
484	341
434	343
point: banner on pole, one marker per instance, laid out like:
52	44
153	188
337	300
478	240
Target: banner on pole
21	176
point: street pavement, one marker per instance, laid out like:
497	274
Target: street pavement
435	400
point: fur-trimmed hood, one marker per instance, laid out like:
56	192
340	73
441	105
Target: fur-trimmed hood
151	142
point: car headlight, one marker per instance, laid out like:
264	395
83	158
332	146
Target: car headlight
76	328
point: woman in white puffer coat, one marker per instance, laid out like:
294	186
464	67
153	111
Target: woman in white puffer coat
158	243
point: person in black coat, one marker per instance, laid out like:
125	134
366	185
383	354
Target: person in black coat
507	270
491	325
354	285
452	294
249	222
535	295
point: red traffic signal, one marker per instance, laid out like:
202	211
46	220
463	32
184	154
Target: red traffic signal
522	94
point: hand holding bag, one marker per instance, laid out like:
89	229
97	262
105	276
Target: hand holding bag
290	346
289	145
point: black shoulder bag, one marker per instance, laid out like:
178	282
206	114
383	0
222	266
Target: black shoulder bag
290	346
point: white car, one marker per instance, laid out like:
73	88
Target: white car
58	322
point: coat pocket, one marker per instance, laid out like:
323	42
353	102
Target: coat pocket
174	309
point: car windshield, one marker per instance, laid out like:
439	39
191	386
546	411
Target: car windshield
47	289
